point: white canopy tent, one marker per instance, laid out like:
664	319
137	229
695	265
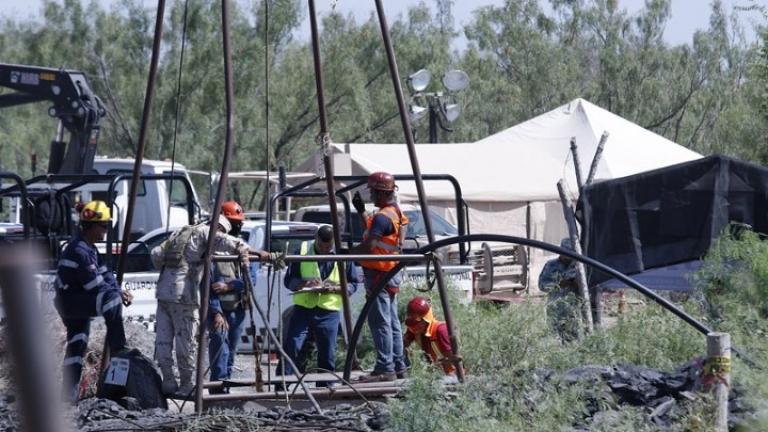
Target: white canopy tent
509	179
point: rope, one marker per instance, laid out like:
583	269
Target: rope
176	119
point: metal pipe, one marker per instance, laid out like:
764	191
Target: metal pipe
408	132
448	318
220	193
286	357
149	96
324	139
38	401
327	258
322	394
666	304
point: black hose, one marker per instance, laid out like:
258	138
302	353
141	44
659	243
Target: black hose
647	292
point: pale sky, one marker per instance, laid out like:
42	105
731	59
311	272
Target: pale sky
687	15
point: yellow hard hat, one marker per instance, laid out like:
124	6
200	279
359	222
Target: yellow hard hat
95	211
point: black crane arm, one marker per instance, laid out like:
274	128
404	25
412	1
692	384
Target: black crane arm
75	105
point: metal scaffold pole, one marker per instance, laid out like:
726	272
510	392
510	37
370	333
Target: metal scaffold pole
406	123
324	140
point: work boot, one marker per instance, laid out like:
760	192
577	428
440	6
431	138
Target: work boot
169	386
402	374
187	389
377	376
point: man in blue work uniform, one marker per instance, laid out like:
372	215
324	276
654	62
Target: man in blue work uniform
85	288
226	305
317	301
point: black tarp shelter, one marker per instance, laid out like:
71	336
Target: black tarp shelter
671	215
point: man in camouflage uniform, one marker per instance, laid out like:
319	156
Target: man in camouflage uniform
558	280
180	260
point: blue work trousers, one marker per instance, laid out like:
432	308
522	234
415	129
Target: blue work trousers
385	327
76	310
222	345
324	325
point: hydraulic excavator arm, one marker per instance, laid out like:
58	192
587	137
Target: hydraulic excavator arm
74	104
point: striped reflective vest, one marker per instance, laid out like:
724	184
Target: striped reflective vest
389	244
434	349
310	270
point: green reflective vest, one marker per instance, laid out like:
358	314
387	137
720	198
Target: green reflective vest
310	270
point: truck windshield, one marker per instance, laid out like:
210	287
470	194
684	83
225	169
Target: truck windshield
416	226
177	191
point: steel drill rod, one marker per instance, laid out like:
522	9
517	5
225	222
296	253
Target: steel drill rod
149	96
324	140
327	258
229	91
279	346
321	394
448	318
408	132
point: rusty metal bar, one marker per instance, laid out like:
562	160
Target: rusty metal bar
324	140
327	258
322	394
149	96
220	193
405	121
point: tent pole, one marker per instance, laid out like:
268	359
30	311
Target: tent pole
528	248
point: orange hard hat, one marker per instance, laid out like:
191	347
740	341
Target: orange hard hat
382	181
232	211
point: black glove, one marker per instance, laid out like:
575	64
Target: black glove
357	203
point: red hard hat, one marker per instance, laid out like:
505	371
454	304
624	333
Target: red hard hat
232	211
419	306
382	181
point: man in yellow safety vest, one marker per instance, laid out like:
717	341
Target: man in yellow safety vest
317	301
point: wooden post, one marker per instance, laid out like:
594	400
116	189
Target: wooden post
576	163
581	278
718	371
596	159
597	295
